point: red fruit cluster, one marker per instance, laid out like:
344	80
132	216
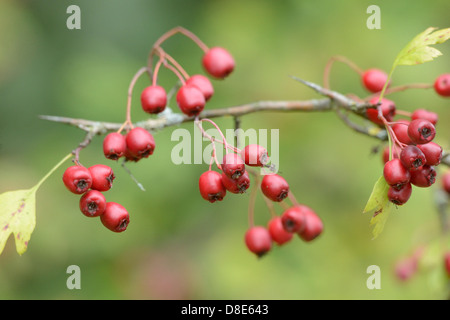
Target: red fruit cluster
91	183
299	219
414	155
138	143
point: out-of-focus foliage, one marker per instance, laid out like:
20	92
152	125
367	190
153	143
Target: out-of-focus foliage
178	245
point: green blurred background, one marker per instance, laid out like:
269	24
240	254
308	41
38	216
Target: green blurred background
177	245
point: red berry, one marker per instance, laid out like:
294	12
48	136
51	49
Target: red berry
77	179
400	196
313	226
190	100
387	109
218	62
277	231
412	157
293	219
115	217
254	155
432	152
233	166
395	174
211	186
258	240
400	128
93	203
447	263
426	115
203	84
239	185
102	177
421	131
424	177
140	143
406	268
374	79
153	99
446	182
275	187
442	85
114	146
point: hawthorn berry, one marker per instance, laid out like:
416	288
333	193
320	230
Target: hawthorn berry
233	166
426	115
374	79
432	151
442	85
387	109
239	185
446	182
421	131
140	143
412	157
400	128
313	226
400	196
211	186
218	62
203	84
93	203
153	99
77	179
190	100
102	177
395	174
254	155
114	146
423	177
258	240
275	187
115	217
447	263
277	231
293	219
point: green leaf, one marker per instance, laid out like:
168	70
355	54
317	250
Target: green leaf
417	51
379	205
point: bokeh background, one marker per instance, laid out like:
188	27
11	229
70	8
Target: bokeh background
179	246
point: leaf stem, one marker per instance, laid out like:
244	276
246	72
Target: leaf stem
52	170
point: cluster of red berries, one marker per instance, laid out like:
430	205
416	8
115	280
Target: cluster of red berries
138	143
298	219
413	156
196	90
91	183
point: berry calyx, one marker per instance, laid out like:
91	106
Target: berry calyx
153	99
102	177
442	85
114	146
395	174
233	166
77	179
426	115
412	157
140	143
275	187
239	185
387	109
313	226
115	217
374	80
277	231
421	131
432	151
190	100
254	155
258	240
93	203
218	62
400	196
424	177
203	84
293	219
211	186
